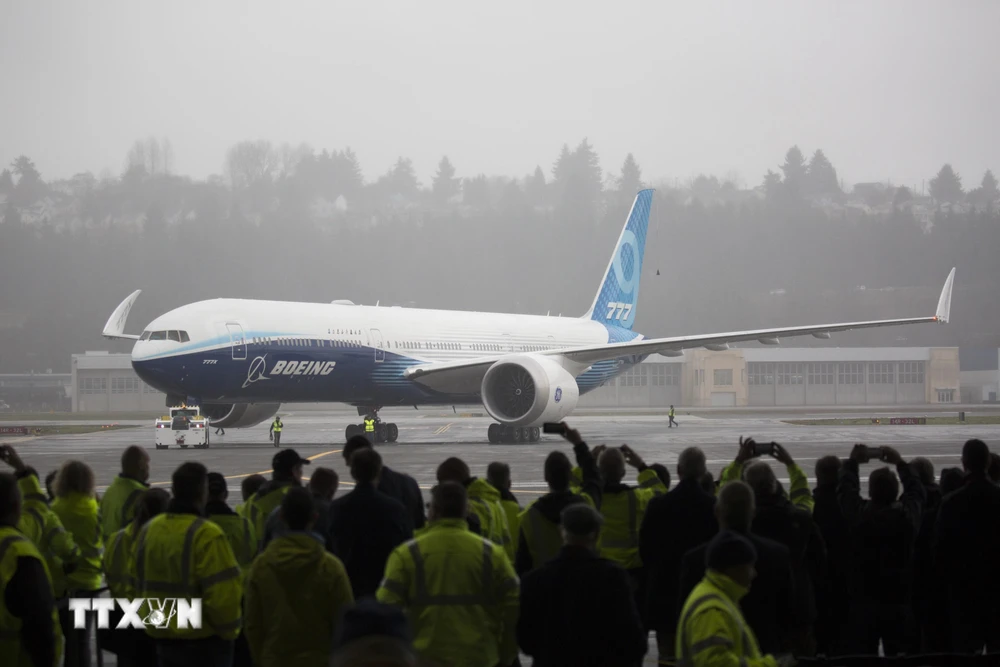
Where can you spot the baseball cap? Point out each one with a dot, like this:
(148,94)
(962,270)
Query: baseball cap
(287,459)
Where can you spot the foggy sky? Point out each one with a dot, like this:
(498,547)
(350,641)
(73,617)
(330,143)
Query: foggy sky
(890,90)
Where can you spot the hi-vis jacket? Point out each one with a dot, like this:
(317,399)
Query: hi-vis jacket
(484,500)
(80,516)
(798,493)
(41,525)
(119,503)
(623,508)
(461,595)
(13,547)
(712,631)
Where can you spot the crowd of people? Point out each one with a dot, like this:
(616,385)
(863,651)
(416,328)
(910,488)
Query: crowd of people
(738,570)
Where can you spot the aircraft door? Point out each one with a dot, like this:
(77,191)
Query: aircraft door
(378,345)
(238,340)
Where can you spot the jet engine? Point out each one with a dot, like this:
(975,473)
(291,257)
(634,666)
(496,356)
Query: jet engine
(528,390)
(240,415)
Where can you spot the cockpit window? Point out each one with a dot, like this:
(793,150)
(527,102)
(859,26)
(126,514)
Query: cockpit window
(174,336)
(158,335)
(145,335)
(184,337)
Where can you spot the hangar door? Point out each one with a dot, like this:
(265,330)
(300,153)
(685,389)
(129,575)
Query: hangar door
(723,399)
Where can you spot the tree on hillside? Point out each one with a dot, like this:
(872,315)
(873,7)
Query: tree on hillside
(705,188)
(903,195)
(251,162)
(795,171)
(535,187)
(630,180)
(6,182)
(25,170)
(155,157)
(476,192)
(772,185)
(946,186)
(445,185)
(821,177)
(402,178)
(987,193)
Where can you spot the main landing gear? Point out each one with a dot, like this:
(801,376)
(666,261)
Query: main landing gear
(500,434)
(384,432)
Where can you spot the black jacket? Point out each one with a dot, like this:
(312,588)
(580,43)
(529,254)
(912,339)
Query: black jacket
(552,504)
(365,526)
(927,594)
(832,598)
(28,596)
(675,523)
(578,610)
(769,606)
(882,538)
(404,488)
(779,520)
(967,545)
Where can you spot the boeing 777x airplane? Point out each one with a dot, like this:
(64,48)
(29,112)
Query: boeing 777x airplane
(241,359)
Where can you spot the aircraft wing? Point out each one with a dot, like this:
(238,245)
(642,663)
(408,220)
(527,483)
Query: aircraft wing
(466,370)
(115,327)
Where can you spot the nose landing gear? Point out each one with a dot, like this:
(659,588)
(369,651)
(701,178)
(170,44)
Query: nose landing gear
(384,431)
(499,434)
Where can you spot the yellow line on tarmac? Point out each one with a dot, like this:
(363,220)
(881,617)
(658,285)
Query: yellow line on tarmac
(264,472)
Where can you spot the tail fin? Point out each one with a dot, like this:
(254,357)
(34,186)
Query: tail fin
(615,303)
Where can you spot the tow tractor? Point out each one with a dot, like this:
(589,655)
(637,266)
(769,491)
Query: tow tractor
(185,427)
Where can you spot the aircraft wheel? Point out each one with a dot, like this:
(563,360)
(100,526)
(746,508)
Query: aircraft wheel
(393,432)
(381,433)
(535,433)
(516,439)
(493,433)
(184,446)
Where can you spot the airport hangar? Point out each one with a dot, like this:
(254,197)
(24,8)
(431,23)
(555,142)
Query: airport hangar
(748,377)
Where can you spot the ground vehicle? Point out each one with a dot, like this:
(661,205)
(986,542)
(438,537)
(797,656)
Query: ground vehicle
(185,426)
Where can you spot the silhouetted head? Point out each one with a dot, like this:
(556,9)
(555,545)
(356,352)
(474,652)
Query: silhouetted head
(453,470)
(760,476)
(135,463)
(498,475)
(976,457)
(827,471)
(449,500)
(707,483)
(923,469)
(50,483)
(558,471)
(10,500)
(735,507)
(366,465)
(733,555)
(75,477)
(580,525)
(951,480)
(251,485)
(151,503)
(298,509)
(218,487)
(324,482)
(994,470)
(190,484)
(691,464)
(883,486)
(353,444)
(612,466)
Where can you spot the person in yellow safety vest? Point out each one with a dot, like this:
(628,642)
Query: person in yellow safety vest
(182,555)
(238,529)
(296,592)
(623,508)
(498,476)
(712,630)
(131,645)
(41,525)
(370,428)
(118,502)
(539,538)
(29,625)
(286,472)
(484,501)
(798,492)
(76,506)
(248,487)
(458,589)
(275,432)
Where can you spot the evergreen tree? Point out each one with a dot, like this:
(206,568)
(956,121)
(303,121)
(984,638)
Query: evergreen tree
(772,185)
(588,167)
(821,177)
(795,171)
(6,182)
(946,186)
(476,192)
(902,196)
(445,184)
(630,180)
(535,188)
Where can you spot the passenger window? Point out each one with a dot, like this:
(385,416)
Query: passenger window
(158,335)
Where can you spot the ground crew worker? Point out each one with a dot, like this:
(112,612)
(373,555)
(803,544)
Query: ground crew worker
(286,472)
(459,589)
(118,502)
(296,592)
(670,415)
(498,475)
(182,555)
(132,646)
(76,506)
(370,428)
(238,529)
(248,487)
(29,626)
(540,540)
(484,501)
(712,630)
(41,525)
(623,508)
(798,492)
(275,433)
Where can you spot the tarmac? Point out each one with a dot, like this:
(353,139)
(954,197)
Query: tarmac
(426,440)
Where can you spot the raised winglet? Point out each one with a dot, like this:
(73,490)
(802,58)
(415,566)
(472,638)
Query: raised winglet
(944,303)
(115,327)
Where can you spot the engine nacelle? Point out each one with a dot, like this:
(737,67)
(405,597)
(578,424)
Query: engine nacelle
(240,415)
(528,390)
